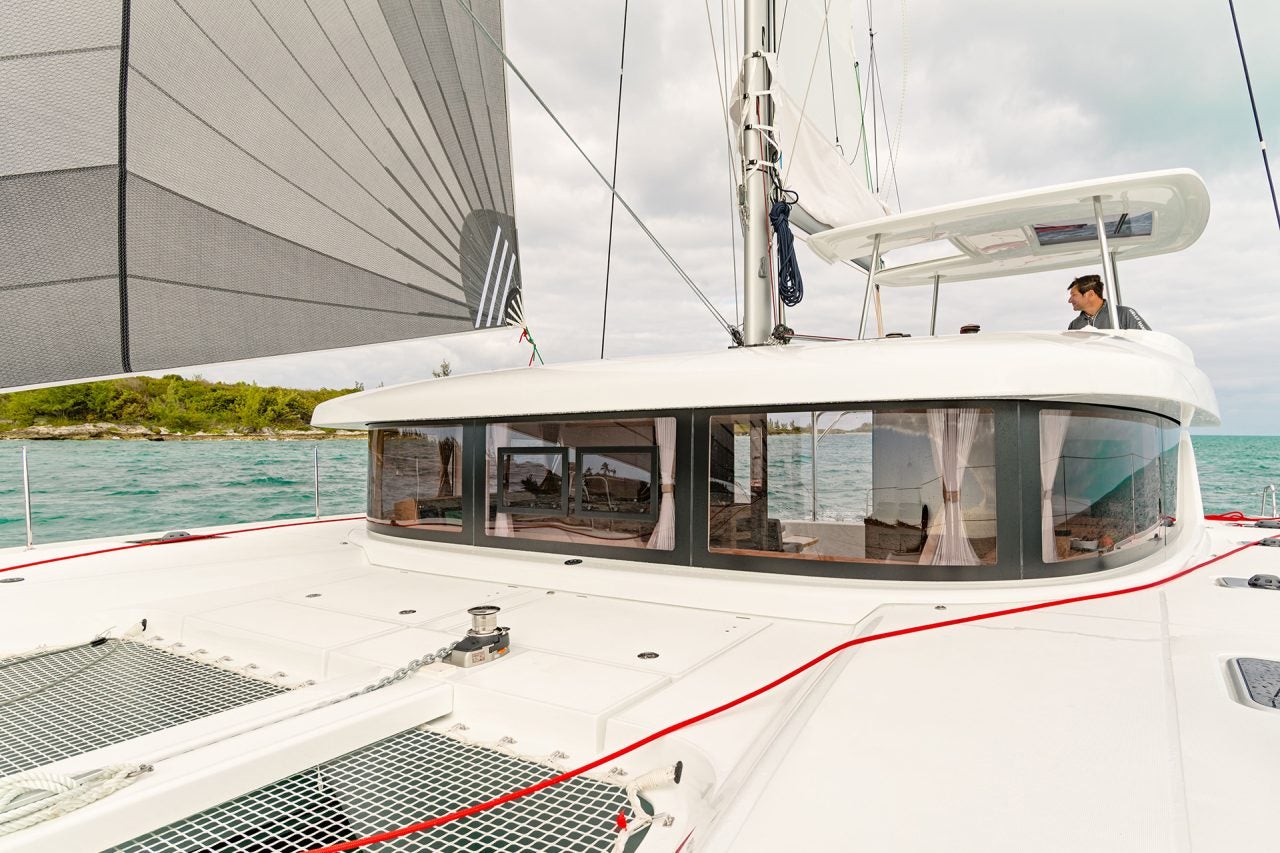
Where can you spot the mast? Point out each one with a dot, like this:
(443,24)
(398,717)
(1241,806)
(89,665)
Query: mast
(758,156)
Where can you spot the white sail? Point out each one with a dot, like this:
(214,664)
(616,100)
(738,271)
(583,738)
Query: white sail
(817,120)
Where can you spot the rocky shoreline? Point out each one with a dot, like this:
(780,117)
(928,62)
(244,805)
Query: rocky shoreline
(138,432)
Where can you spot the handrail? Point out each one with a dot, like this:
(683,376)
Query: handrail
(26,491)
(1263,509)
(26,496)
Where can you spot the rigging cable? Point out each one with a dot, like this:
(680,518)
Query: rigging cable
(617,135)
(808,86)
(720,68)
(1262,143)
(675,265)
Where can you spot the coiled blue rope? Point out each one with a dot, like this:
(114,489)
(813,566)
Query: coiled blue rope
(790,284)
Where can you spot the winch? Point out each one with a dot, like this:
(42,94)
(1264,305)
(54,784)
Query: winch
(484,641)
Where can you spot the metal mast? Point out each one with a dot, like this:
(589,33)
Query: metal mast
(758,157)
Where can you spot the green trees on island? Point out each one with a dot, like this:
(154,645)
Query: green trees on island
(171,402)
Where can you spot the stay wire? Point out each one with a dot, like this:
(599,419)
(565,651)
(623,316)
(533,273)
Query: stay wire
(808,86)
(873,73)
(675,265)
(831,79)
(891,171)
(720,67)
(1262,143)
(617,135)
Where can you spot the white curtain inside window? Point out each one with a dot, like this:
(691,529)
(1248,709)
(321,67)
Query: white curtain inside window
(1053,435)
(664,535)
(498,437)
(951,434)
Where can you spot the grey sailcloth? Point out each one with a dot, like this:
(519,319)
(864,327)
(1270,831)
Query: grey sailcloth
(187,182)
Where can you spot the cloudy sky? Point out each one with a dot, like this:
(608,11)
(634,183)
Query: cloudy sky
(983,97)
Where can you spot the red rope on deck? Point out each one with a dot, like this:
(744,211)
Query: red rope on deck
(1237,515)
(675,727)
(193,538)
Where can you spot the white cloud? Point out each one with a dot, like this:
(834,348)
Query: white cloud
(1000,96)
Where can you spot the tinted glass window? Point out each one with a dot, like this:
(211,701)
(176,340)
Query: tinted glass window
(416,477)
(1105,480)
(910,486)
(608,481)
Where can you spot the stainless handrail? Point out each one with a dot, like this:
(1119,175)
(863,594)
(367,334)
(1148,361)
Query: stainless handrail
(1263,509)
(317,470)
(26,491)
(26,495)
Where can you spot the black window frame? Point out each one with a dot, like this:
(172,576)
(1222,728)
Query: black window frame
(505,453)
(1036,568)
(1018,527)
(655,490)
(459,535)
(1007,495)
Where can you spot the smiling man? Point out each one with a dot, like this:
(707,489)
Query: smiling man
(1085,295)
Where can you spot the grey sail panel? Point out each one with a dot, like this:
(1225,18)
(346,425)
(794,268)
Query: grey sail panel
(293,177)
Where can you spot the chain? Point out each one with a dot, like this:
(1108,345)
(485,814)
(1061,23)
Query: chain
(403,672)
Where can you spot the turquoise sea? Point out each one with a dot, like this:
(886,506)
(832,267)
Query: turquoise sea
(83,489)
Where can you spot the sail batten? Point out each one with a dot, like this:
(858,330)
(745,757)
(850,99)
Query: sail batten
(245,180)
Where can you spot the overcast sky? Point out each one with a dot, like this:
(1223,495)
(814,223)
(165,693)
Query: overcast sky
(992,96)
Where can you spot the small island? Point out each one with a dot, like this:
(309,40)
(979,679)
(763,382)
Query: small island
(163,409)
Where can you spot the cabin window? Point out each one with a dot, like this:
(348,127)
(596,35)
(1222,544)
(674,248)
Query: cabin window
(1108,482)
(416,477)
(598,482)
(914,486)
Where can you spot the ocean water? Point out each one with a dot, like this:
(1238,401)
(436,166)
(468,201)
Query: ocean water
(83,489)
(1235,468)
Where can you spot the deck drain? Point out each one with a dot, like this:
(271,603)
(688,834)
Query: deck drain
(647,655)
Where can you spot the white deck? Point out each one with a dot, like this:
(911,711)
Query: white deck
(1107,725)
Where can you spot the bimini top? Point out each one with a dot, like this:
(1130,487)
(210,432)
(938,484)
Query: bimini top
(1142,370)
(1034,231)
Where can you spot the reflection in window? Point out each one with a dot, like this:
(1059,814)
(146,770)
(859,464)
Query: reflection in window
(910,486)
(617,481)
(533,481)
(416,477)
(598,482)
(1105,482)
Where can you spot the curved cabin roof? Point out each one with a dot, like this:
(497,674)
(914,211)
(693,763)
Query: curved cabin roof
(1031,231)
(1142,370)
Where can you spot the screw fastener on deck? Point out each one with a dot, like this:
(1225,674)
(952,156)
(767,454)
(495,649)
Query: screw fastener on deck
(485,641)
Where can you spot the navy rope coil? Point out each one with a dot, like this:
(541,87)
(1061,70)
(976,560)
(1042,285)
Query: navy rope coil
(790,284)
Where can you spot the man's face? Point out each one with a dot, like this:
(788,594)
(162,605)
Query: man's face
(1086,302)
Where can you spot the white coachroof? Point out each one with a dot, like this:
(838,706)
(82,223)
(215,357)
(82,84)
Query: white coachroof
(1144,370)
(1033,231)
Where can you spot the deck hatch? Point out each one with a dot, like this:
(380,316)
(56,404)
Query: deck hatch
(1261,679)
(404,779)
(68,702)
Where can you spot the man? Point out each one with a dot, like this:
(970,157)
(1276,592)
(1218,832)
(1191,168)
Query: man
(1085,295)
